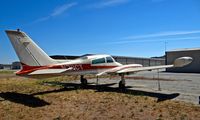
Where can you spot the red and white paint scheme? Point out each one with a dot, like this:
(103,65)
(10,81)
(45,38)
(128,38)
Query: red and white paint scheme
(36,63)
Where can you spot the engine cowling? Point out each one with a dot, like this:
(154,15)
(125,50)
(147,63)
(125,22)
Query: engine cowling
(182,61)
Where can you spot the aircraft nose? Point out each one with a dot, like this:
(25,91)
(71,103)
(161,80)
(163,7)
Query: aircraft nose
(188,59)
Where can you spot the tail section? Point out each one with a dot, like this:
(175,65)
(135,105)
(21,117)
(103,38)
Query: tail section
(27,50)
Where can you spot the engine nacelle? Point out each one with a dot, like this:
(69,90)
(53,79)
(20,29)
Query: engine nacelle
(182,61)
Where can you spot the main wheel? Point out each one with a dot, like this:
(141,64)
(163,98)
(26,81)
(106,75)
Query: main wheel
(84,81)
(121,85)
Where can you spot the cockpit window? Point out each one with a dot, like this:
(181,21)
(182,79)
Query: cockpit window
(109,60)
(98,61)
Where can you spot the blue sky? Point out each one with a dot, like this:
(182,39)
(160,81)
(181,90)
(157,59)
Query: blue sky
(137,28)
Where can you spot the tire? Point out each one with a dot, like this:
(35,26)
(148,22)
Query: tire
(84,81)
(121,85)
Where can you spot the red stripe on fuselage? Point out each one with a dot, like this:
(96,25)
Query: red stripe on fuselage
(75,67)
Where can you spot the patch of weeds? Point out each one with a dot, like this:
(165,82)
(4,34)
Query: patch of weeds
(21,116)
(41,82)
(6,72)
(140,94)
(131,93)
(158,119)
(126,103)
(154,105)
(146,98)
(141,110)
(57,118)
(132,115)
(77,91)
(196,109)
(129,96)
(171,113)
(183,117)
(122,100)
(145,106)
(7,109)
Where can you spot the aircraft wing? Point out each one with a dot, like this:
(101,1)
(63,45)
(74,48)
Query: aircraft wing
(124,69)
(49,71)
(132,70)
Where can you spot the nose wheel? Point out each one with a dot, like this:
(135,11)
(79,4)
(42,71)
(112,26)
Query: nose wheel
(83,80)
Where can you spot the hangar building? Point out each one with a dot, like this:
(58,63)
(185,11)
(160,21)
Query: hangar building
(15,65)
(6,66)
(139,60)
(194,67)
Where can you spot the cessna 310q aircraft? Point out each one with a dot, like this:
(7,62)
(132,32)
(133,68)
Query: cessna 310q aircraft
(36,63)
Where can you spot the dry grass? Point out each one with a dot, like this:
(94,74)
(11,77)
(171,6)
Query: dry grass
(29,99)
(6,71)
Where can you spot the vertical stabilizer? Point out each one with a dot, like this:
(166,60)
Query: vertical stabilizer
(27,51)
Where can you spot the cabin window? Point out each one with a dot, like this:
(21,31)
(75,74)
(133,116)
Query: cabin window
(98,61)
(109,60)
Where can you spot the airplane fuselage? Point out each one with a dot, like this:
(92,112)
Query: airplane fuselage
(93,64)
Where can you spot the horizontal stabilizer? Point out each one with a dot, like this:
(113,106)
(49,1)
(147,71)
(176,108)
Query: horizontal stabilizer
(49,71)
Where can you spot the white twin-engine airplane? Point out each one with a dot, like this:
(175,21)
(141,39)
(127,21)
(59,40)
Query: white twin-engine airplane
(36,63)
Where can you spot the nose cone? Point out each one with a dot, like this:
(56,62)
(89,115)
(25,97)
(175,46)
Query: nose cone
(182,61)
(190,59)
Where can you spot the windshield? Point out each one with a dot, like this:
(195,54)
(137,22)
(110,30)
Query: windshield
(109,60)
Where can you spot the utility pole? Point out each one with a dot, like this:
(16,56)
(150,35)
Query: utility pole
(165,45)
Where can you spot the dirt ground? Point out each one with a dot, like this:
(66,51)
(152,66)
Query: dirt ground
(62,99)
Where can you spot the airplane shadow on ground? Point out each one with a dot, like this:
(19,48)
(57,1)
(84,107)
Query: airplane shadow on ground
(32,101)
(25,99)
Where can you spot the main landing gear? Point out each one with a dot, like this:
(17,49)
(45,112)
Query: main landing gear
(83,80)
(122,82)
